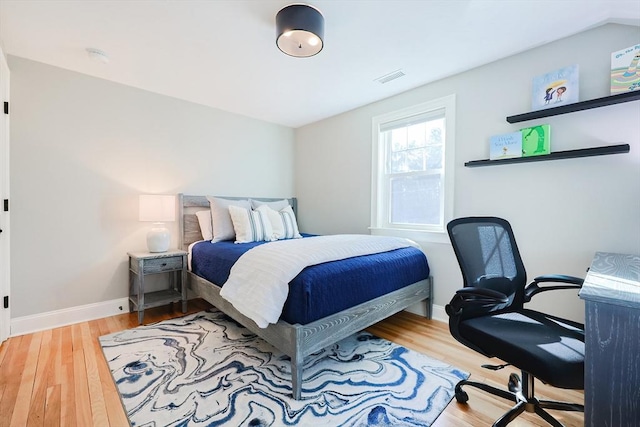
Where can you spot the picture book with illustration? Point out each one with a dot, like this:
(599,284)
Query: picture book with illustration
(625,74)
(559,87)
(505,146)
(536,140)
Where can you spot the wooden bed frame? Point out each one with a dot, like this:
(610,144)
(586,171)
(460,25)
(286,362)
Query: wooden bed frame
(297,341)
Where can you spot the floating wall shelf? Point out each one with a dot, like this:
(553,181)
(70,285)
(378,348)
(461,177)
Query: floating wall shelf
(569,154)
(578,106)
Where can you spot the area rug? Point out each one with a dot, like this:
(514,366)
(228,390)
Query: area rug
(206,370)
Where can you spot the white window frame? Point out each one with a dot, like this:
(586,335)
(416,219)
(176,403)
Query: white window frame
(380,197)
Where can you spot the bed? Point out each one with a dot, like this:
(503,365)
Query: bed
(301,336)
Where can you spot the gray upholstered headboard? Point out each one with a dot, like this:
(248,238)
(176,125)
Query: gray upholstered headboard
(188,226)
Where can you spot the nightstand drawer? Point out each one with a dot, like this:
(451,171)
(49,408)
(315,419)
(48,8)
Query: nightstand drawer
(160,265)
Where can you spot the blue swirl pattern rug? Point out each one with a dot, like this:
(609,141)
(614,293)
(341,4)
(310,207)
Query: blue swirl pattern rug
(206,370)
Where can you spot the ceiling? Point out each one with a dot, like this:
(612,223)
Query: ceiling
(222,53)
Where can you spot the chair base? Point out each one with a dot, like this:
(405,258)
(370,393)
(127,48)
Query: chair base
(520,392)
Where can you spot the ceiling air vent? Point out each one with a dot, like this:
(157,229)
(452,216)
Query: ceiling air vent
(391,76)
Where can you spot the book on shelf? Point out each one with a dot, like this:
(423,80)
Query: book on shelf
(536,140)
(556,88)
(505,146)
(625,71)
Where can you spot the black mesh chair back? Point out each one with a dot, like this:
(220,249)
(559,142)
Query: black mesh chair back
(489,258)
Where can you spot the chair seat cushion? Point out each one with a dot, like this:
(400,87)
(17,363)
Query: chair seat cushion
(549,348)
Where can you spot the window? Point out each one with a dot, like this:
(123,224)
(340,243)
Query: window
(412,179)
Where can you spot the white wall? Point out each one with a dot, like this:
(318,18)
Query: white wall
(83,149)
(562,211)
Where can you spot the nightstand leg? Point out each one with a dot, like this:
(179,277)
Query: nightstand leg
(183,289)
(140,294)
(132,284)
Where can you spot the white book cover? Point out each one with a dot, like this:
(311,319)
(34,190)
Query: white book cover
(505,146)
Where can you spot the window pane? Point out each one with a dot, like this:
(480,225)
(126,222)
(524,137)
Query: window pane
(416,200)
(416,160)
(434,157)
(416,147)
(417,135)
(409,161)
(398,139)
(435,132)
(398,162)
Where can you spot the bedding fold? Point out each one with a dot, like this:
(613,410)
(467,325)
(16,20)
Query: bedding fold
(258,282)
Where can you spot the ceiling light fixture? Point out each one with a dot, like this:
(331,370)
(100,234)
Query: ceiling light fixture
(300,30)
(98,55)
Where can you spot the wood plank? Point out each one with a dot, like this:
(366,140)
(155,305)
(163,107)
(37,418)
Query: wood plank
(4,347)
(53,376)
(23,399)
(10,375)
(63,375)
(68,395)
(39,393)
(53,406)
(80,379)
(98,408)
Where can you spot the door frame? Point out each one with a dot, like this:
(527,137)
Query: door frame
(5,246)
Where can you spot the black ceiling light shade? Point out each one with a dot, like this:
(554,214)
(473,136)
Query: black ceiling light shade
(300,30)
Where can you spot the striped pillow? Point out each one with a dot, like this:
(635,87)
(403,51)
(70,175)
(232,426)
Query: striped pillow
(250,226)
(283,222)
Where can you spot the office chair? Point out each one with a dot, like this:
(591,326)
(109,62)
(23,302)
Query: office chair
(488,316)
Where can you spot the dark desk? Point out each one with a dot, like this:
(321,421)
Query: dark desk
(611,292)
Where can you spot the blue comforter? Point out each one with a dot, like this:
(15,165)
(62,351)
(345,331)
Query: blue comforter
(323,289)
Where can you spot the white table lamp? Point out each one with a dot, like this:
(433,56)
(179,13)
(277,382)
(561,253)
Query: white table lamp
(158,209)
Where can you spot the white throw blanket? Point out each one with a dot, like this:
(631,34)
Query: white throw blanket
(258,283)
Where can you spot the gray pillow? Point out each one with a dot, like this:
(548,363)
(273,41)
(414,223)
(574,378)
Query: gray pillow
(278,205)
(222,225)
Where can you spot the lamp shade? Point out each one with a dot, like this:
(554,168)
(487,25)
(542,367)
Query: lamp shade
(157,208)
(300,30)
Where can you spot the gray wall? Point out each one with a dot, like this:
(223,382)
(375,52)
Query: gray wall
(83,149)
(562,211)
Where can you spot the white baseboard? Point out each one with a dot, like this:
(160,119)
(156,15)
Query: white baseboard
(68,316)
(421,310)
(439,314)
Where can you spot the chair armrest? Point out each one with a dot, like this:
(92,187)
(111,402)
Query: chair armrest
(533,288)
(474,296)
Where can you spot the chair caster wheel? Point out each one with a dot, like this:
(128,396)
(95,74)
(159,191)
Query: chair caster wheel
(462,396)
(514,383)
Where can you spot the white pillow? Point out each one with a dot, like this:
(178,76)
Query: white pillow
(222,225)
(206,227)
(250,226)
(277,205)
(283,223)
(275,219)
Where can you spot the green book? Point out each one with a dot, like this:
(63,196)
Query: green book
(536,140)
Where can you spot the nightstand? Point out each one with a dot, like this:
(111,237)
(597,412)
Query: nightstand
(142,264)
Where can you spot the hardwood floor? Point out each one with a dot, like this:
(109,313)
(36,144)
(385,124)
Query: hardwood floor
(59,377)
